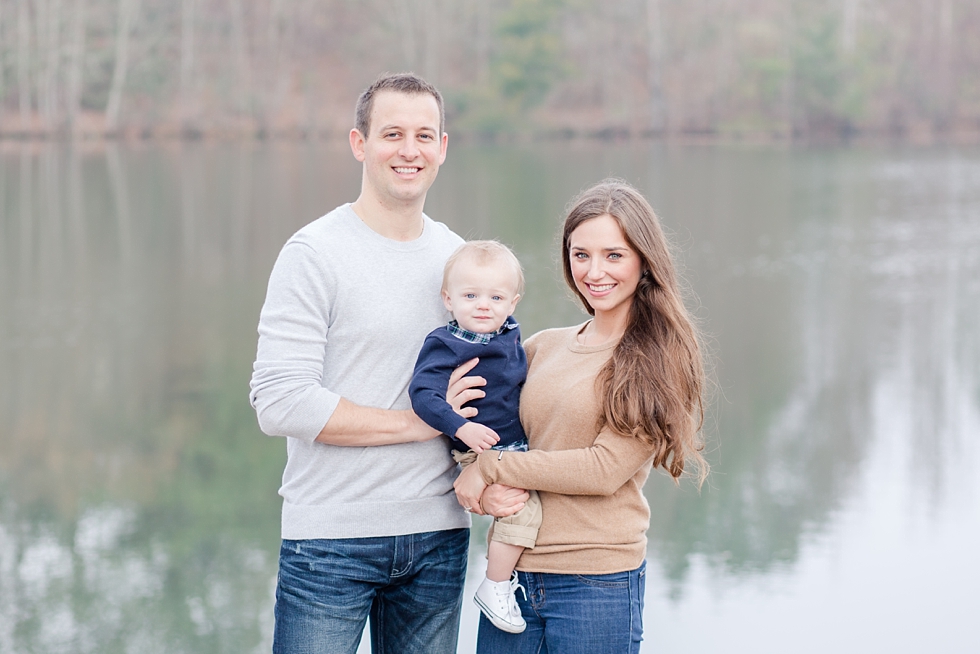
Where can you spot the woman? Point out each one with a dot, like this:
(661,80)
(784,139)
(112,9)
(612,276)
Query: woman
(604,402)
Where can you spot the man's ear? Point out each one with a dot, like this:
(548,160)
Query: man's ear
(357,144)
(443,145)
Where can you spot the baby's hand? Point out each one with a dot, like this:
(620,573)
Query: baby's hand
(477,437)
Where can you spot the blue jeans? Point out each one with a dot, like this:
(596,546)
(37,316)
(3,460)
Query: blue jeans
(411,586)
(573,614)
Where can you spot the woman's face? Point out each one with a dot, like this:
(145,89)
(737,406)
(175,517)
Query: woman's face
(605,268)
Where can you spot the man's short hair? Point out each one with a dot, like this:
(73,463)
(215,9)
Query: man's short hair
(484,253)
(408,83)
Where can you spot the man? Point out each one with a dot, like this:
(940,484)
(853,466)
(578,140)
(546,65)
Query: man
(370,524)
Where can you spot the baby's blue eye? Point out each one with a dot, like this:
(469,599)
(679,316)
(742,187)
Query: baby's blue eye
(497,298)
(470,296)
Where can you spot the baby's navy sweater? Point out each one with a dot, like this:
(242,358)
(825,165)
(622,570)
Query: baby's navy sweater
(502,363)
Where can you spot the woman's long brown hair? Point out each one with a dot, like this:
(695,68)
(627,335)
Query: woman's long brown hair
(651,387)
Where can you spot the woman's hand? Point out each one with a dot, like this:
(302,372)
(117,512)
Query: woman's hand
(501,501)
(469,488)
(497,500)
(464,389)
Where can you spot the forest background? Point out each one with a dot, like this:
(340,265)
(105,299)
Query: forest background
(711,69)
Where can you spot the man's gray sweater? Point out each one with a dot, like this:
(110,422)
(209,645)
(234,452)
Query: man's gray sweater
(345,315)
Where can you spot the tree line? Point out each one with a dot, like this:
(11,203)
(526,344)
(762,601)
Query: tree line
(776,68)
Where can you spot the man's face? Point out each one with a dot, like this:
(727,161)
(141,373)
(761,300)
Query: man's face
(403,150)
(480,297)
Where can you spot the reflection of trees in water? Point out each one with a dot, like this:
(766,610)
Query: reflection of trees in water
(139,497)
(875,348)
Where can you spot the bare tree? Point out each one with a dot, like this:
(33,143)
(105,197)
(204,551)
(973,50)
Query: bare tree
(76,66)
(944,60)
(655,63)
(127,16)
(406,29)
(483,29)
(24,63)
(49,45)
(3,58)
(849,25)
(276,80)
(239,41)
(432,19)
(187,19)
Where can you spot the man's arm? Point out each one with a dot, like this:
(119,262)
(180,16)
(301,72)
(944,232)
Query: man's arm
(286,389)
(355,425)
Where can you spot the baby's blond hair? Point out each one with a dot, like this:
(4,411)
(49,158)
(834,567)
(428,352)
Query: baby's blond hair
(484,253)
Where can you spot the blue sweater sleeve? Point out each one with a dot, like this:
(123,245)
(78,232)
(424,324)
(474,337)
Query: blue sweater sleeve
(430,380)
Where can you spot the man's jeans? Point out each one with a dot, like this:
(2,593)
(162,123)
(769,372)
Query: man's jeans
(412,587)
(573,614)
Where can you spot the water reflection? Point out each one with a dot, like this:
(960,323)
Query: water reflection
(840,290)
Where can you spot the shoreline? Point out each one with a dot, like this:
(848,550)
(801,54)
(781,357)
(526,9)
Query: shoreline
(918,137)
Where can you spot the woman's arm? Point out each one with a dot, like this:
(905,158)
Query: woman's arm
(600,469)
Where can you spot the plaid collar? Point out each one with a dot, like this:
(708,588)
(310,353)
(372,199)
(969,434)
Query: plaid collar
(473,337)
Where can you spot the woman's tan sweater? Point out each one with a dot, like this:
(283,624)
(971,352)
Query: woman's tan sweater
(595,517)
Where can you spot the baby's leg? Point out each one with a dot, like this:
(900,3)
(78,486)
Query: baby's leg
(501,560)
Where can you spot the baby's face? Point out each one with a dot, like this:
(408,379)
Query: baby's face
(481,297)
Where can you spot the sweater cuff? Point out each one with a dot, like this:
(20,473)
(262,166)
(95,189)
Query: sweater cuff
(488,461)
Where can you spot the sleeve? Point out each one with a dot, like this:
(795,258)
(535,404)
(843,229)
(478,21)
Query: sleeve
(286,388)
(530,347)
(600,469)
(430,381)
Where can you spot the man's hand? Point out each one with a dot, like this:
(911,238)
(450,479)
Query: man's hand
(477,437)
(465,389)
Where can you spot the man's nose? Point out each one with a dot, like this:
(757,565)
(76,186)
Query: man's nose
(409,149)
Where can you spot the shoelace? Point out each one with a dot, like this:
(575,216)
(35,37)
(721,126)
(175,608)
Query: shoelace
(515,584)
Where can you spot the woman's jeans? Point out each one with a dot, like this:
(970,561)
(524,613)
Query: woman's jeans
(573,614)
(412,587)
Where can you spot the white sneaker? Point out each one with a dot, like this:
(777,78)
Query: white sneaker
(496,600)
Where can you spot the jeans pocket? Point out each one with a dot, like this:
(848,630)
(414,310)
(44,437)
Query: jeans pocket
(613,580)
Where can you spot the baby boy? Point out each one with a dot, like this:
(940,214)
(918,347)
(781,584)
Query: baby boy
(482,284)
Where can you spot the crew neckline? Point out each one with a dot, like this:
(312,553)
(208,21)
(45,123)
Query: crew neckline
(404,246)
(575,346)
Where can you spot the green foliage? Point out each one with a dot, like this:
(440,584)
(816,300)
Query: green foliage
(831,86)
(524,66)
(818,69)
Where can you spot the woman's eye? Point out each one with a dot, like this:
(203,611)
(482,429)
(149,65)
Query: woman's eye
(615,255)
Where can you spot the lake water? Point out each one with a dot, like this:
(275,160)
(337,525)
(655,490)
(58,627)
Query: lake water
(839,289)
